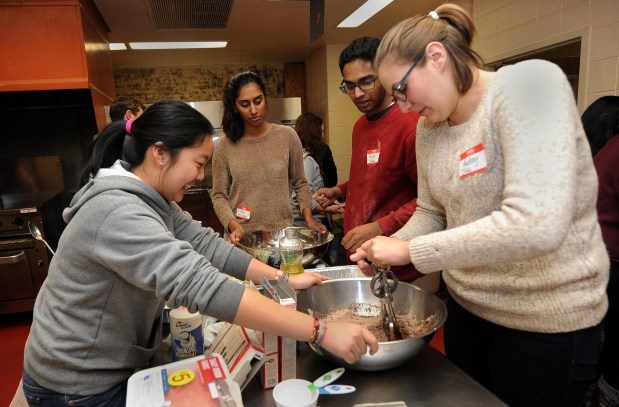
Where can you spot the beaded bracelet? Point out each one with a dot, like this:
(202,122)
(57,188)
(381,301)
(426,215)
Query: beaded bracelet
(322,331)
(316,332)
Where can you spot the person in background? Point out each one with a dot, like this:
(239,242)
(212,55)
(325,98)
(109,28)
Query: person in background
(255,164)
(125,108)
(128,249)
(601,124)
(382,186)
(315,153)
(506,209)
(311,131)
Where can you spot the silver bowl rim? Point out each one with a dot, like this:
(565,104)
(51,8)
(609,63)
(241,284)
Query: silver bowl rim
(330,237)
(437,324)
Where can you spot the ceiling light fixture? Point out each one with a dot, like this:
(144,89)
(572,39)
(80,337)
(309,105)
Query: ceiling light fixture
(117,46)
(178,45)
(363,13)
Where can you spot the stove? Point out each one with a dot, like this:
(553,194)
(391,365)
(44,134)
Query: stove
(24,261)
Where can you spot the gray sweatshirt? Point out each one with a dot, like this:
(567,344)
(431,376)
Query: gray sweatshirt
(124,253)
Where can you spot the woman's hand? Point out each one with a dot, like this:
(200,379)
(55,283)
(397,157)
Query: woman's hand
(236,232)
(383,251)
(349,341)
(315,225)
(364,266)
(306,280)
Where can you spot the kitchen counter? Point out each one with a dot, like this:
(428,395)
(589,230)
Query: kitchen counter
(428,379)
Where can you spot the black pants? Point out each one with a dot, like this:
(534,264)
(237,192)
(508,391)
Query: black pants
(523,368)
(609,362)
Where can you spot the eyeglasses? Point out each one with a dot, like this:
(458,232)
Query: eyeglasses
(364,84)
(398,91)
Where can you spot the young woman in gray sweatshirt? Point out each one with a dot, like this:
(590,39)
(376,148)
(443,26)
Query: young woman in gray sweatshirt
(128,249)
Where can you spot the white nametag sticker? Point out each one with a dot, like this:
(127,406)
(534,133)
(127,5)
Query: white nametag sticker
(473,161)
(242,212)
(373,156)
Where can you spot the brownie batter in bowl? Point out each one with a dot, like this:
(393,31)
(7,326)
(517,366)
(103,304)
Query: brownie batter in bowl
(368,316)
(419,313)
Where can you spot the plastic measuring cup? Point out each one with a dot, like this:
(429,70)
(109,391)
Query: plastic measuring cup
(291,251)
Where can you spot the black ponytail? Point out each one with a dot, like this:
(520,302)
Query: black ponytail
(104,150)
(176,125)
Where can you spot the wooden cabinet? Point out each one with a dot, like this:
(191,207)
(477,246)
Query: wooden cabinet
(49,45)
(42,48)
(200,206)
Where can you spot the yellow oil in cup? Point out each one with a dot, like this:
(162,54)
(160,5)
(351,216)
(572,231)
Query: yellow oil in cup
(291,252)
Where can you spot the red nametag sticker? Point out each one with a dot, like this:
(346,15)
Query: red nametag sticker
(373,156)
(473,161)
(242,212)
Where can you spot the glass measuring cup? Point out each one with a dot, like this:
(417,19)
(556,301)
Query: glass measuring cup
(291,251)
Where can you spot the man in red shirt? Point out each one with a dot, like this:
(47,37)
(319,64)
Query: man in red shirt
(381,190)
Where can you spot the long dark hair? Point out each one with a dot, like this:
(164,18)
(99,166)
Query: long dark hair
(309,128)
(232,122)
(601,122)
(175,124)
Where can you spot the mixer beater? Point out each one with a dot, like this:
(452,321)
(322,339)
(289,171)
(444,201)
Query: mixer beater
(383,285)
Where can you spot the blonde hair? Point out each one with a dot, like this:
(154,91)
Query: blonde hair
(406,42)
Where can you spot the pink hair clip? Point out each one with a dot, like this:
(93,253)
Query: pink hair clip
(128,125)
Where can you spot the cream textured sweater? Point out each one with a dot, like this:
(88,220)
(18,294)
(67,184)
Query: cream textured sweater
(519,243)
(257,173)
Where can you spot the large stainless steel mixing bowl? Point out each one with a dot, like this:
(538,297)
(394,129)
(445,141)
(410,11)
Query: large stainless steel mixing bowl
(407,300)
(262,244)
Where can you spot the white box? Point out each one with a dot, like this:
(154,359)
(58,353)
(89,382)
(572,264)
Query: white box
(281,352)
(242,351)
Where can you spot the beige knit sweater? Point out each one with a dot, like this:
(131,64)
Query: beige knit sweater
(256,173)
(519,244)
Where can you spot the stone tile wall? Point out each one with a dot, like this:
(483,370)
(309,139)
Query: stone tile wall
(191,83)
(507,28)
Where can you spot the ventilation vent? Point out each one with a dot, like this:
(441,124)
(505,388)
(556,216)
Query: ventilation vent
(190,14)
(45,99)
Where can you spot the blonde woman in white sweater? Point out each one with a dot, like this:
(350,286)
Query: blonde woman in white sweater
(506,209)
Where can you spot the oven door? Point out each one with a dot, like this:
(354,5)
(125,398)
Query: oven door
(15,276)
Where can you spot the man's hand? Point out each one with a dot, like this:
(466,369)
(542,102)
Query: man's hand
(334,209)
(326,196)
(361,234)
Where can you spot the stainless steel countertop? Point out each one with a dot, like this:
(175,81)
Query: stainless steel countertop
(428,379)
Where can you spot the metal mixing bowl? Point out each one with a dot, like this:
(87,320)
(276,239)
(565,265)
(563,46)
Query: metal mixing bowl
(407,300)
(262,244)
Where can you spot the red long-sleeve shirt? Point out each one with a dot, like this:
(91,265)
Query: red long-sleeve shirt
(607,167)
(382,184)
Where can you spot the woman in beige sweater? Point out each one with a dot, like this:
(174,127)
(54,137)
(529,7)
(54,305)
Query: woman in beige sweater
(506,209)
(255,164)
